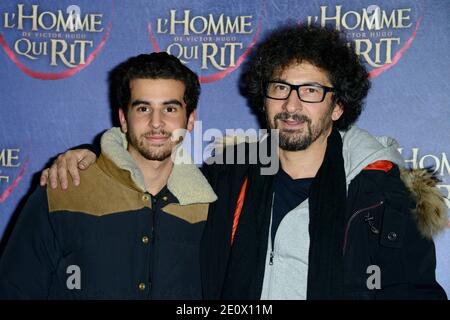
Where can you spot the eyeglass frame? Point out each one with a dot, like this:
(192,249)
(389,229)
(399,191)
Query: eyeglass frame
(295,87)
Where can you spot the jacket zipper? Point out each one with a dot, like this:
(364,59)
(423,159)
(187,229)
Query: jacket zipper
(154,230)
(351,219)
(272,243)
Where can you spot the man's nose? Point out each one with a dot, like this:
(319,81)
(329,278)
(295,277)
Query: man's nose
(293,103)
(156,120)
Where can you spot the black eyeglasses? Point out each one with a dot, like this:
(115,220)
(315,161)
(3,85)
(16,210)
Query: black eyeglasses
(309,92)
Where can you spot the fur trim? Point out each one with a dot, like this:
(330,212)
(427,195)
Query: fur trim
(430,211)
(221,143)
(187,182)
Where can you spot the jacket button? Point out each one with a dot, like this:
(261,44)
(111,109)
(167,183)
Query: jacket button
(392,236)
(145,197)
(145,240)
(142,286)
(164,198)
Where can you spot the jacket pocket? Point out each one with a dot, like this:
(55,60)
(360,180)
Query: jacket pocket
(369,219)
(393,229)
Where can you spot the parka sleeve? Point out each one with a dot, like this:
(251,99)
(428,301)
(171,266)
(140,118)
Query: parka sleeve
(414,253)
(30,255)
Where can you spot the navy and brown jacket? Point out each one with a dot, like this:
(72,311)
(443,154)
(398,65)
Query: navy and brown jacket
(122,242)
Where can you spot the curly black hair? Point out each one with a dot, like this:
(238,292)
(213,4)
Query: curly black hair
(157,65)
(324,48)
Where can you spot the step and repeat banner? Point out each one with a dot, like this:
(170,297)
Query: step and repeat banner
(55,56)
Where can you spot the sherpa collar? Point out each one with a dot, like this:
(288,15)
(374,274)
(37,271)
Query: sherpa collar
(186,182)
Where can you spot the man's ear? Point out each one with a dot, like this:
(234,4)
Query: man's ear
(191,121)
(123,121)
(338,110)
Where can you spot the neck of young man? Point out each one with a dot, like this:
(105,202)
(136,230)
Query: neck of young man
(156,173)
(305,163)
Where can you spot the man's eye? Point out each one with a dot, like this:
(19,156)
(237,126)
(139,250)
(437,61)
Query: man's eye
(143,109)
(280,87)
(171,109)
(310,90)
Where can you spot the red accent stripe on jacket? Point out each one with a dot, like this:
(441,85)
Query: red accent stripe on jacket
(382,165)
(237,212)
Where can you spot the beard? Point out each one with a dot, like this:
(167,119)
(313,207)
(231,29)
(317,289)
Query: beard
(155,153)
(300,139)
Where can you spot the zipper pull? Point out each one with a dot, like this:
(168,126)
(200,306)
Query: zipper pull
(271,258)
(369,219)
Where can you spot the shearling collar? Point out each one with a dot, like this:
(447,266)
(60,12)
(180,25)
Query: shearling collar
(186,182)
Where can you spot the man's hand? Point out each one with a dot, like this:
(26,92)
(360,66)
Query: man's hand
(71,161)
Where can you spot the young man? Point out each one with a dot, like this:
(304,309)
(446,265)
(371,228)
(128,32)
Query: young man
(339,220)
(132,230)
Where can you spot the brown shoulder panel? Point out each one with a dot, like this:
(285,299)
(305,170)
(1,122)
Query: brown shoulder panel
(191,213)
(98,194)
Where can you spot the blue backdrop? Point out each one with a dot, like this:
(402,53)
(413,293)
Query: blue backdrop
(56,54)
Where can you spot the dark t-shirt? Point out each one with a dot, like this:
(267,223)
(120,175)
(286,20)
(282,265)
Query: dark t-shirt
(289,193)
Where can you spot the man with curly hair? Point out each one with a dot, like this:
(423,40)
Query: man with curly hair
(339,220)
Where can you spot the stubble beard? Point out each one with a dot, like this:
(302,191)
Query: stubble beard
(300,139)
(154,153)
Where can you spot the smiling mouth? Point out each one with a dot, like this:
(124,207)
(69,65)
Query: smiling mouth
(157,139)
(290,123)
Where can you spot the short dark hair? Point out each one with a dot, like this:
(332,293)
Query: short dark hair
(324,48)
(157,65)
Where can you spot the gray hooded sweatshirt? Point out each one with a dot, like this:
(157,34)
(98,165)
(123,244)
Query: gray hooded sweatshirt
(287,277)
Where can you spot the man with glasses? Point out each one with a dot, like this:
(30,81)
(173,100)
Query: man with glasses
(336,221)
(339,220)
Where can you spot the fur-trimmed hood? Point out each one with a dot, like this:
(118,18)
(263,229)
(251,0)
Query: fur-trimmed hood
(360,149)
(431,211)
